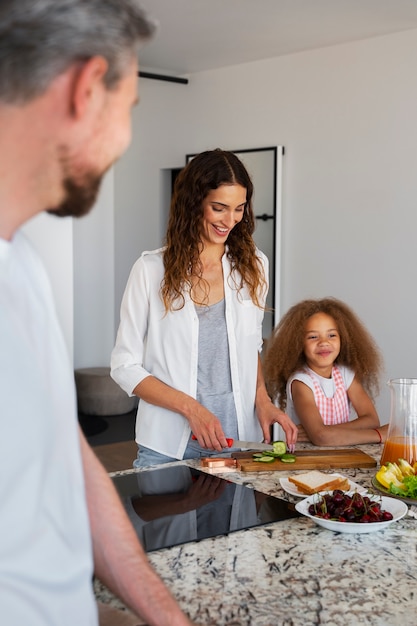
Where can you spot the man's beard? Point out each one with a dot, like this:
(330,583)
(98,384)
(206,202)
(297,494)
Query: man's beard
(79,196)
(80,186)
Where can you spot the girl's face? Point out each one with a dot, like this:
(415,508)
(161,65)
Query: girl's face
(222,209)
(321,343)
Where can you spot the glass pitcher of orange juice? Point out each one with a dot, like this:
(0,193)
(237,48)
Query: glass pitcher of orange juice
(401,440)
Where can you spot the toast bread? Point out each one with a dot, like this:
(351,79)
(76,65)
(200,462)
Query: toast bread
(315,481)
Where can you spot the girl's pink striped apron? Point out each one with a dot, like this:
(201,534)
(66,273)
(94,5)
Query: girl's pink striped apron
(332,410)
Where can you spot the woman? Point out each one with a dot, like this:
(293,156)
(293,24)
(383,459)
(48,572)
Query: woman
(191,322)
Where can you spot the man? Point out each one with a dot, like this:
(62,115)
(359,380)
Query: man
(68,80)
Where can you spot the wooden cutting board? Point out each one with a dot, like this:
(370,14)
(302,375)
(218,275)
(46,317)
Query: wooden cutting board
(307,460)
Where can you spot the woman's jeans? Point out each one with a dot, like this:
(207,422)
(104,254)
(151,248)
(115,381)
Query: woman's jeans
(147,457)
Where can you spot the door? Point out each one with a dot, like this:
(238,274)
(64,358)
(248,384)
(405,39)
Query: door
(264,166)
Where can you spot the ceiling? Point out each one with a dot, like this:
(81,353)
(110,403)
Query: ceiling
(197,35)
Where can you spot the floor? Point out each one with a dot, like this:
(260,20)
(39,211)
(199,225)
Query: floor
(113,439)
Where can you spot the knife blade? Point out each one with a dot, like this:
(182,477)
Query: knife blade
(250,445)
(256,445)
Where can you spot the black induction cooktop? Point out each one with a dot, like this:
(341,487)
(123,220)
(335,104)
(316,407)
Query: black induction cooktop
(175,505)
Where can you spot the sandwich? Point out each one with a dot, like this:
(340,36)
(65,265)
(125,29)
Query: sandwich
(315,481)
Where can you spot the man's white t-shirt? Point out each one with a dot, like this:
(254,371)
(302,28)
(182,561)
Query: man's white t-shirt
(45,546)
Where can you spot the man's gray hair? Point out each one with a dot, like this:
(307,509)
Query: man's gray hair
(40,39)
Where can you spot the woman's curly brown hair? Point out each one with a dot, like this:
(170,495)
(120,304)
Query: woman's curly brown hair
(285,349)
(205,172)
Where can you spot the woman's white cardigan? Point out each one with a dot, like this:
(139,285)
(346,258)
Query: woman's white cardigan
(165,345)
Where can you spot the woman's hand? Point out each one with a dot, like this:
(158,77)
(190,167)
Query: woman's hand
(203,423)
(289,428)
(269,414)
(205,426)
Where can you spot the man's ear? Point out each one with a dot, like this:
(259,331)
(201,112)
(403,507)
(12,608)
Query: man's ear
(88,86)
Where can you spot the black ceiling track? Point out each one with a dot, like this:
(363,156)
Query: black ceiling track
(170,79)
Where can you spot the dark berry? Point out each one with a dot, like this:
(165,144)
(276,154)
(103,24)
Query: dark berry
(340,507)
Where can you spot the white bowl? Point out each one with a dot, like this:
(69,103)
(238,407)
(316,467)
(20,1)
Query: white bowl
(397,508)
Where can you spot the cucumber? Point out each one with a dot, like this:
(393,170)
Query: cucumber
(266,459)
(270,453)
(288,458)
(279,447)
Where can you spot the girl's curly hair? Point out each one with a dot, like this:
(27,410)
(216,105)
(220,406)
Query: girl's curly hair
(285,348)
(205,172)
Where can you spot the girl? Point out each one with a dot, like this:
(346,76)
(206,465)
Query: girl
(320,361)
(191,322)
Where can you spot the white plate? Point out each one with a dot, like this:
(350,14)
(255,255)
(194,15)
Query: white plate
(386,492)
(396,507)
(292,489)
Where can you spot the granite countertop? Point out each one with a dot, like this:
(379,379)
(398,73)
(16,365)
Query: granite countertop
(294,572)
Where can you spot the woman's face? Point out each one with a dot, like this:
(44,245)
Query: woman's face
(321,343)
(222,209)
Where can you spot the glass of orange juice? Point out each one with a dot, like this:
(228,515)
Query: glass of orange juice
(401,440)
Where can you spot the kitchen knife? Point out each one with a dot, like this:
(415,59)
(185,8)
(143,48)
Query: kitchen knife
(250,445)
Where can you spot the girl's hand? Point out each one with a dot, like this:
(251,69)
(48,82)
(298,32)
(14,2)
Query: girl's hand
(302,435)
(356,431)
(384,432)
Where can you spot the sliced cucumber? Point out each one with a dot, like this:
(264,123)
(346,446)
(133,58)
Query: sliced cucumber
(279,447)
(288,458)
(265,453)
(266,459)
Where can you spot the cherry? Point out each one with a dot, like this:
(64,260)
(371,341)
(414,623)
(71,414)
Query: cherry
(341,507)
(358,503)
(349,514)
(338,497)
(386,516)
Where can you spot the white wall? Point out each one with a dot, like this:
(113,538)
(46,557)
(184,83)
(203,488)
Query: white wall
(94,281)
(79,257)
(347,116)
(142,175)
(53,239)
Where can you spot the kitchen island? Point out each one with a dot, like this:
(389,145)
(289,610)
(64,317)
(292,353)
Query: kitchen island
(293,572)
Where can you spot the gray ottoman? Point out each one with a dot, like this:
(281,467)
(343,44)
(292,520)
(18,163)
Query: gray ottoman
(98,394)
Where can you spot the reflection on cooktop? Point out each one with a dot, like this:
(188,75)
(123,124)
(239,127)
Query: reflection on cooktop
(175,505)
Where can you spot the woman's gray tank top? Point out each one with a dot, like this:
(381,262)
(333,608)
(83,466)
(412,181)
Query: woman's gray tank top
(214,381)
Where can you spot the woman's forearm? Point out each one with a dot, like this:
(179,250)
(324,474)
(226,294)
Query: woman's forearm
(160,394)
(203,423)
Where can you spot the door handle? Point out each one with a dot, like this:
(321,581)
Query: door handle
(264,217)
